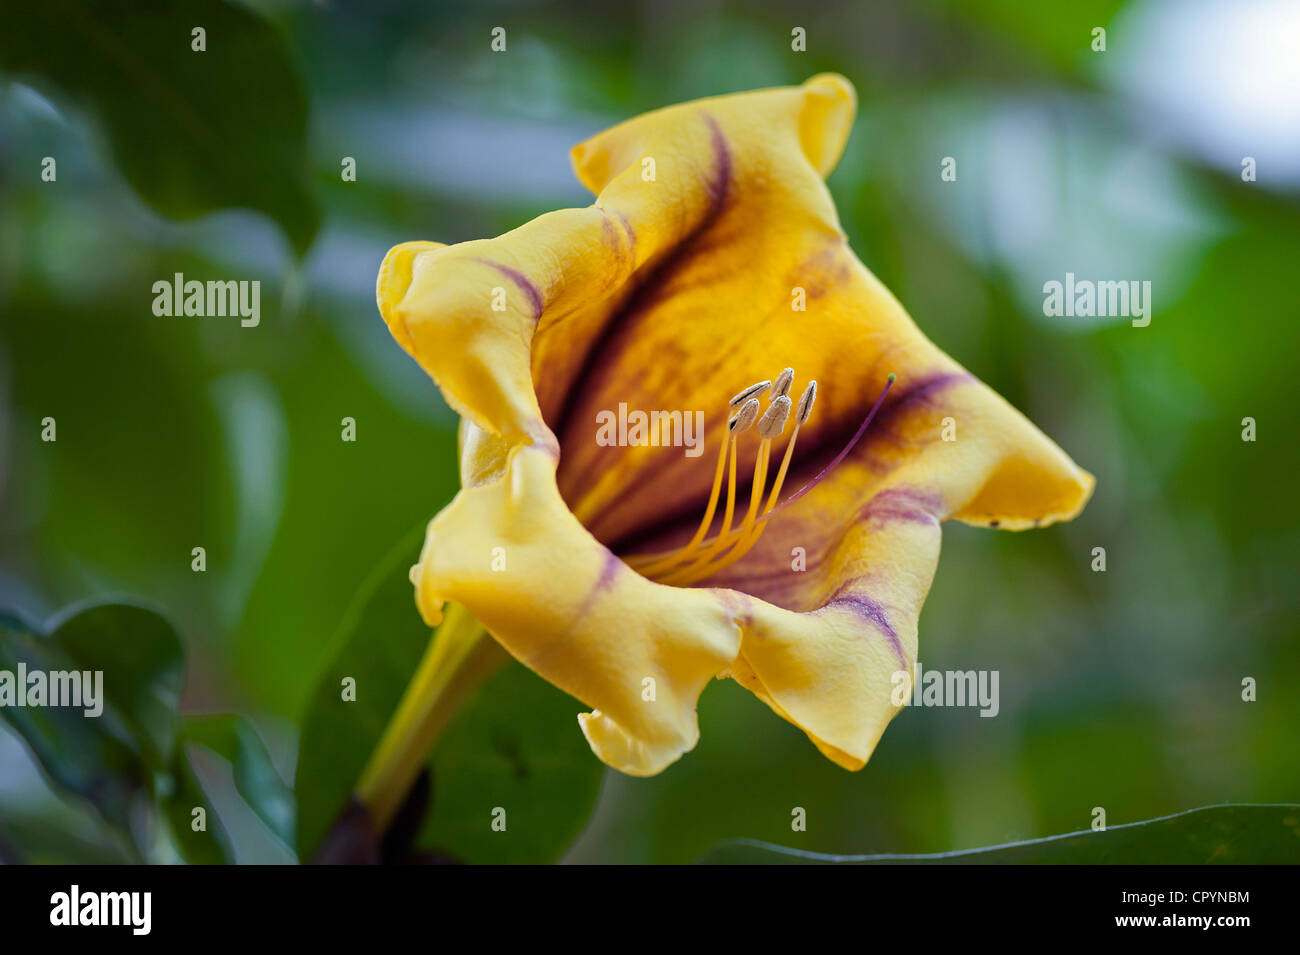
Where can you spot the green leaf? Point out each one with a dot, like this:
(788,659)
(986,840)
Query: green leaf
(192,131)
(515,744)
(110,759)
(1235,833)
(143,663)
(58,836)
(237,741)
(208,846)
(379,643)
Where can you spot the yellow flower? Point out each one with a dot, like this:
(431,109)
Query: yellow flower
(612,571)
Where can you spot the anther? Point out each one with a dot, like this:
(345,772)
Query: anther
(806,403)
(749,392)
(744,419)
(782,384)
(773,421)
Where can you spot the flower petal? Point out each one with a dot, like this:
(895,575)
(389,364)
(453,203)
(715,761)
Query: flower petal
(512,553)
(997,470)
(831,670)
(618,302)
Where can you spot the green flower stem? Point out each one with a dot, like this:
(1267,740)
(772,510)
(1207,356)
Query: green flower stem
(460,657)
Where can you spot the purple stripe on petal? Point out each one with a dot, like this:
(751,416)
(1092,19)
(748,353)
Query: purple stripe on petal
(719,183)
(873,613)
(766,574)
(524,282)
(906,397)
(866,422)
(608,573)
(631,234)
(594,369)
(900,504)
(920,392)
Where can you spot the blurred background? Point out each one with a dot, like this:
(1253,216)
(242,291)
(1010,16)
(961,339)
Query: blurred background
(1119,689)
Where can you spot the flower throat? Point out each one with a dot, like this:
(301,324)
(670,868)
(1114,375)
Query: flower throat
(702,557)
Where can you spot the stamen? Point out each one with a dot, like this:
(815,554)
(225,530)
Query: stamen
(662,563)
(729,545)
(782,384)
(769,426)
(773,421)
(806,403)
(741,422)
(862,429)
(747,536)
(744,419)
(691,572)
(750,392)
(731,491)
(804,411)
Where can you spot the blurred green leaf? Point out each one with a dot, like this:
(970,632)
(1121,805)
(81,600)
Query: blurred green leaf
(334,547)
(136,478)
(56,838)
(515,744)
(110,759)
(379,643)
(237,741)
(192,131)
(1233,834)
(143,663)
(1062,36)
(207,846)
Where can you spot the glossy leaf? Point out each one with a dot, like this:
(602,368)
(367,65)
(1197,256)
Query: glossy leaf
(379,643)
(110,759)
(192,130)
(57,837)
(207,846)
(143,663)
(256,778)
(514,754)
(515,744)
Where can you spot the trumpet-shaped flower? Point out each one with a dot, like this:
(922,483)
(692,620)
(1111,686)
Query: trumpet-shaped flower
(794,554)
